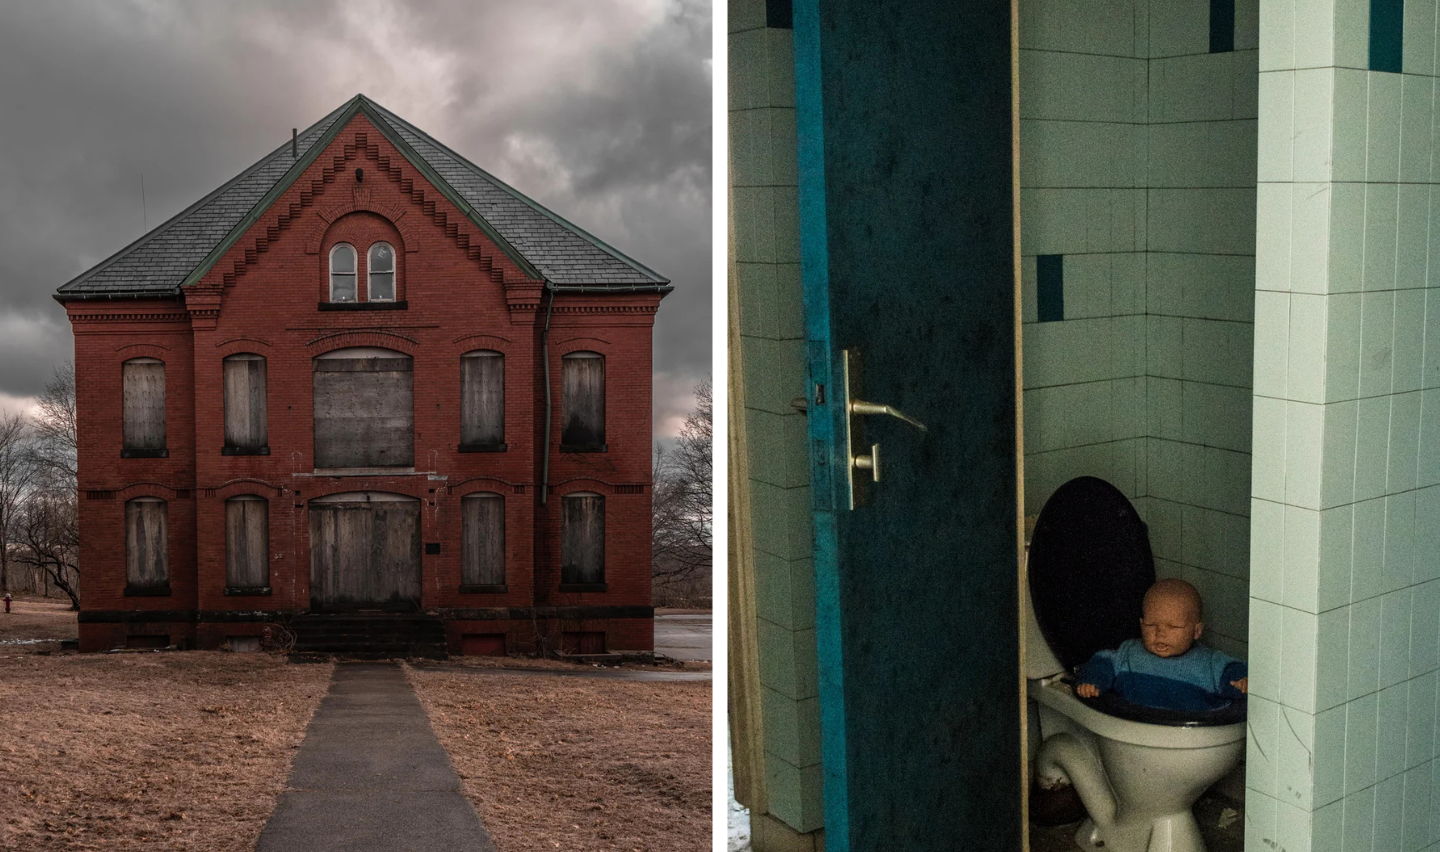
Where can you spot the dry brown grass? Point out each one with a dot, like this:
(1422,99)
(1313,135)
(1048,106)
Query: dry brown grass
(147,751)
(33,617)
(577,764)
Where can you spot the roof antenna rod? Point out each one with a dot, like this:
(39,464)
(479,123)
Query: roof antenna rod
(144,219)
(294,143)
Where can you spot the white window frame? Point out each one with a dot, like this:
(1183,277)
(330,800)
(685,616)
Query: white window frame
(354,273)
(370,274)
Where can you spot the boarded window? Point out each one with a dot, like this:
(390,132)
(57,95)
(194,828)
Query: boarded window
(247,542)
(583,400)
(582,539)
(482,399)
(364,412)
(245,402)
(342,274)
(147,543)
(381,265)
(144,413)
(482,540)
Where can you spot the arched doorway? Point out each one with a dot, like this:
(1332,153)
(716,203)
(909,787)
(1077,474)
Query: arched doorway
(364,552)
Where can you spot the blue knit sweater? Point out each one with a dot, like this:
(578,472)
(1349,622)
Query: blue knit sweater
(1199,679)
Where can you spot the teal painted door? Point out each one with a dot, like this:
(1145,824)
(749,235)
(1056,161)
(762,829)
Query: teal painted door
(903,113)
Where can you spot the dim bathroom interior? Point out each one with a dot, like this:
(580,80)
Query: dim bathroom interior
(1228,255)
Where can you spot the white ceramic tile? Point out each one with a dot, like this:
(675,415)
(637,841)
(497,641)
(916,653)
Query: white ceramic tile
(1399,567)
(1427,533)
(1409,348)
(1329,825)
(1105,27)
(1413,234)
(1424,623)
(1205,220)
(1404,441)
(1304,440)
(1390,741)
(1372,447)
(1359,820)
(1415,831)
(1342,347)
(1382,134)
(1395,637)
(1295,774)
(1428,469)
(1267,554)
(1377,343)
(1077,87)
(1337,527)
(1272,343)
(1029,307)
(1305,375)
(1276,128)
(1332,659)
(1302,559)
(1362,717)
(1430,376)
(1310,234)
(1352,33)
(1277,34)
(1348,124)
(1268,456)
(1381,235)
(1389,812)
(1337,469)
(1262,753)
(1346,241)
(1273,229)
(1417,38)
(1367,577)
(1420,721)
(1313,97)
(1417,100)
(1247,25)
(1297,659)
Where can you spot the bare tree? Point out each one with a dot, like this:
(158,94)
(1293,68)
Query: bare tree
(15,475)
(47,536)
(681,547)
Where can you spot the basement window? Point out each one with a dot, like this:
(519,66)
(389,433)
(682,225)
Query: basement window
(482,543)
(482,402)
(147,547)
(582,403)
(247,545)
(143,414)
(380,265)
(245,423)
(582,542)
(342,273)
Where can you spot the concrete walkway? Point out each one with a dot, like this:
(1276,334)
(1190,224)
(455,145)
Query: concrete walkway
(372,776)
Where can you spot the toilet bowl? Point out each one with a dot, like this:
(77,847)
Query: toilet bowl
(1089,564)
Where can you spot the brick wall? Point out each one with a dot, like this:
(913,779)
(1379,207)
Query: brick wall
(460,292)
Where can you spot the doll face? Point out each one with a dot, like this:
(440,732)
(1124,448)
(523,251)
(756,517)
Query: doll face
(1169,626)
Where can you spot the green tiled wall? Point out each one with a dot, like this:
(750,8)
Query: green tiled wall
(1138,165)
(1345,592)
(772,331)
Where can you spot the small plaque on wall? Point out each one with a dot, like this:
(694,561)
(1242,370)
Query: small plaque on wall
(432,547)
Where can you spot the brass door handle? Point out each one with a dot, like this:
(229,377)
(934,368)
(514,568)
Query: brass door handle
(860,406)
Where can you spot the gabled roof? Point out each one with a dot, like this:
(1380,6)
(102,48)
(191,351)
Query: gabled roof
(180,251)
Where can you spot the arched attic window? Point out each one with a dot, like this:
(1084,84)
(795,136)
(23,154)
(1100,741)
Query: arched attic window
(342,273)
(380,267)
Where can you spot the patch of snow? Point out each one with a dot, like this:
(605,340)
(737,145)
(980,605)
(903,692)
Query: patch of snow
(738,819)
(25,641)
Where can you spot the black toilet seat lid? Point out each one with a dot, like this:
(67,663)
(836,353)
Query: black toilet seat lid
(1089,567)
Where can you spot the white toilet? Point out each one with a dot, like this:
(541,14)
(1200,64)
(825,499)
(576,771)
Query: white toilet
(1089,564)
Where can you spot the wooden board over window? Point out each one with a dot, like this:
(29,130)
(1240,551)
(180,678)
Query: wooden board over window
(247,542)
(364,409)
(143,381)
(482,399)
(245,421)
(582,403)
(365,551)
(147,543)
(482,560)
(582,540)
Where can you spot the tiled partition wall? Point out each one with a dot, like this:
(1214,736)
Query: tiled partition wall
(1137,206)
(1345,544)
(772,328)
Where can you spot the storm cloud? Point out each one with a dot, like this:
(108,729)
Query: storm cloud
(598,109)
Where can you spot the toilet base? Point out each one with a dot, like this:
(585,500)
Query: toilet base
(1174,833)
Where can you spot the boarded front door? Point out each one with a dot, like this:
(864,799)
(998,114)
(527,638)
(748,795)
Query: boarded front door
(365,552)
(903,114)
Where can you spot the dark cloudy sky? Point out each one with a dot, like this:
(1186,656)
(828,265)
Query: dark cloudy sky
(598,109)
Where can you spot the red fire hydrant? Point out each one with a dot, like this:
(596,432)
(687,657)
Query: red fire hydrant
(7,602)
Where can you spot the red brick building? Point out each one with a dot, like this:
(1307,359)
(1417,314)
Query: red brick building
(365,376)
